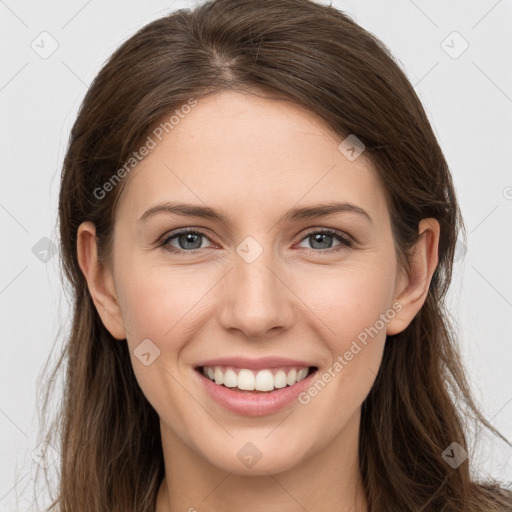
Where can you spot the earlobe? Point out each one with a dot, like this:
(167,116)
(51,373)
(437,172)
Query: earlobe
(412,289)
(99,281)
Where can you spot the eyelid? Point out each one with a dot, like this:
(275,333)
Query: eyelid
(327,230)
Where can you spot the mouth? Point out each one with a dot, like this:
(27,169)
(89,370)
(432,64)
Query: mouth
(263,381)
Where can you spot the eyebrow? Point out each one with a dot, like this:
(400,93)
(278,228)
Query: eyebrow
(205,212)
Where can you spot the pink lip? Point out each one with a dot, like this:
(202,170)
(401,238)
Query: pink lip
(255,364)
(254,404)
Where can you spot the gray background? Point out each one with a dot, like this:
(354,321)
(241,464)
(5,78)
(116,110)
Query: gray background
(468,98)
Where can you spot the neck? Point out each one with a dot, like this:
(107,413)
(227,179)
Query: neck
(330,479)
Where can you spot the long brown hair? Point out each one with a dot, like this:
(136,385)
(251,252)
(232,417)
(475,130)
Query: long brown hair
(108,434)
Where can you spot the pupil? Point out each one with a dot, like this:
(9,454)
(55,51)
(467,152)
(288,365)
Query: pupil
(188,240)
(319,237)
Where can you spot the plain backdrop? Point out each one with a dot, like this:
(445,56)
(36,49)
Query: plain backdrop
(458,56)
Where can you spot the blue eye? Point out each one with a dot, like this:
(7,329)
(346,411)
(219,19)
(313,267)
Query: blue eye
(190,240)
(322,238)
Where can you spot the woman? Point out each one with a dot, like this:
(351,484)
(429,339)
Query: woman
(259,227)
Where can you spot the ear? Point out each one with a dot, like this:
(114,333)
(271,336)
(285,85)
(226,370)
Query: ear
(412,288)
(99,281)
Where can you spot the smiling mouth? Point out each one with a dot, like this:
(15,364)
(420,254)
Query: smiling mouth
(262,381)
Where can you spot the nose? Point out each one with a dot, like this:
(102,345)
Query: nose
(257,300)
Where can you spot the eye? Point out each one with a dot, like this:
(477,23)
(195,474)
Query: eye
(188,240)
(322,239)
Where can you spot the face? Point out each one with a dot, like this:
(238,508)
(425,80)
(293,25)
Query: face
(262,278)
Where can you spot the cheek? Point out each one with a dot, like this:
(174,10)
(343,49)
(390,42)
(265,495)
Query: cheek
(347,301)
(159,304)
(158,301)
(352,307)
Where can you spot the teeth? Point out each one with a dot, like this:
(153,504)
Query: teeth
(280,379)
(259,380)
(245,380)
(302,374)
(291,378)
(264,381)
(230,380)
(219,376)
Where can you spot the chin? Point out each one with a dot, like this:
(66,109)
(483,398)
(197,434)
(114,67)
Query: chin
(256,458)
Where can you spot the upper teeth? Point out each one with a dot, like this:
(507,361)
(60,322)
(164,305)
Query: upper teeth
(260,380)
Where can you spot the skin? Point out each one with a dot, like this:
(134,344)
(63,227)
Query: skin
(254,158)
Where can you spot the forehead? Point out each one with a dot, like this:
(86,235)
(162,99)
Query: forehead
(248,154)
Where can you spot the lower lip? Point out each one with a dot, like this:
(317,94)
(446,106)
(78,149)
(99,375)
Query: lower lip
(254,404)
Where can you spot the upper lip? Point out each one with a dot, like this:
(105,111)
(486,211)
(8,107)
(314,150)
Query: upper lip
(255,364)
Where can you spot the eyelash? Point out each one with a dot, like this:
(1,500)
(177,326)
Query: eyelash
(345,242)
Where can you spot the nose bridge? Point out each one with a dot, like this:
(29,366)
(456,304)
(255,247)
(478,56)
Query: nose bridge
(256,299)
